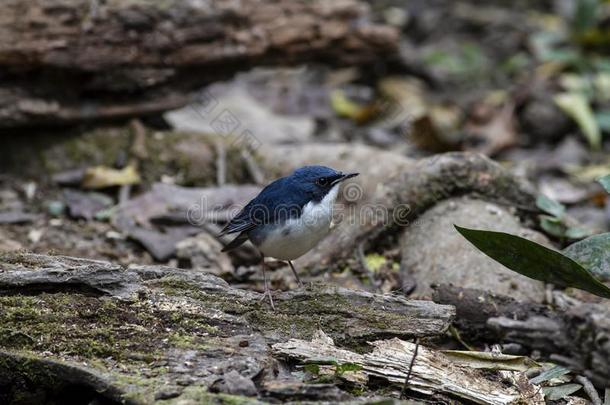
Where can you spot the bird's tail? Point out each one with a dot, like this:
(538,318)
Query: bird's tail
(241,238)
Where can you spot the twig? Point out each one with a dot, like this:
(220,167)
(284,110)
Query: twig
(124,193)
(403,393)
(138,143)
(221,164)
(365,266)
(253,168)
(588,387)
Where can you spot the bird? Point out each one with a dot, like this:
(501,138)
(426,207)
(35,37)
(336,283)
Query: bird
(288,217)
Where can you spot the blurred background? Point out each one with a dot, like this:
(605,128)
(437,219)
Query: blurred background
(106,104)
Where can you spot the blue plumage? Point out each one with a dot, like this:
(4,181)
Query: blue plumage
(282,199)
(289,216)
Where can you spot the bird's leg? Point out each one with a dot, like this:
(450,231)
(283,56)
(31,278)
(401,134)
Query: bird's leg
(267,290)
(295,274)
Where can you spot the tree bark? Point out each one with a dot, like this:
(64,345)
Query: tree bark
(68,61)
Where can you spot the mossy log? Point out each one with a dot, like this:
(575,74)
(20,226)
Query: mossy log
(573,333)
(69,61)
(71,326)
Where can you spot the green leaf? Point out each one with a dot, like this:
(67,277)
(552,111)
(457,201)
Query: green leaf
(534,260)
(578,232)
(603,120)
(560,391)
(553,226)
(550,206)
(490,361)
(577,107)
(605,182)
(593,254)
(554,372)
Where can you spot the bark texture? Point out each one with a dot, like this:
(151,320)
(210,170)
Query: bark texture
(146,333)
(573,333)
(67,61)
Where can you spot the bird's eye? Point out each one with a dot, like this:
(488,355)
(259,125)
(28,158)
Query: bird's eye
(322,181)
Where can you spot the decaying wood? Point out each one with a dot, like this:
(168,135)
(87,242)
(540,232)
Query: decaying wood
(432,372)
(154,331)
(575,332)
(65,61)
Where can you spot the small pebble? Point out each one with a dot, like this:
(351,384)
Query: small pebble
(56,208)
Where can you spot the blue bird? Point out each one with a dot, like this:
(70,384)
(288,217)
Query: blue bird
(289,216)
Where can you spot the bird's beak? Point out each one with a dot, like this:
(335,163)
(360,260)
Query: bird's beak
(344,176)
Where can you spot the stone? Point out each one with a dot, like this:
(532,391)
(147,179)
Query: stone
(451,259)
(203,252)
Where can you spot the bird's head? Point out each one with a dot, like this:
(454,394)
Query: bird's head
(318,181)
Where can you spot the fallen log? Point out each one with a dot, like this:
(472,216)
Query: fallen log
(153,332)
(573,333)
(64,62)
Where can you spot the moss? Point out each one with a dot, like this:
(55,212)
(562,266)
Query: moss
(186,341)
(91,327)
(200,395)
(30,369)
(375,261)
(346,367)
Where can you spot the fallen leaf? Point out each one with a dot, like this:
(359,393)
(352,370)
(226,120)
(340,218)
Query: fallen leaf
(16,217)
(430,126)
(344,107)
(550,206)
(102,177)
(560,391)
(605,182)
(490,361)
(576,106)
(85,205)
(553,372)
(496,133)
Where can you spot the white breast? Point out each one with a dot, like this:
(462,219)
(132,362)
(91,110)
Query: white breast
(297,236)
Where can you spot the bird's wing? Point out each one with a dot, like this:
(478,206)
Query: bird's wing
(240,223)
(278,201)
(241,238)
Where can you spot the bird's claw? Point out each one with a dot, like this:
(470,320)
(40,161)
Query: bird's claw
(268,293)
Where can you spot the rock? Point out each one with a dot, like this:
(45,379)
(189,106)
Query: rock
(85,204)
(7,244)
(543,121)
(72,177)
(203,252)
(161,245)
(168,214)
(10,201)
(235,384)
(237,112)
(451,259)
(16,217)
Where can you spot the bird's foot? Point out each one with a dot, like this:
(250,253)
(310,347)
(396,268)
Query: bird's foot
(269,294)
